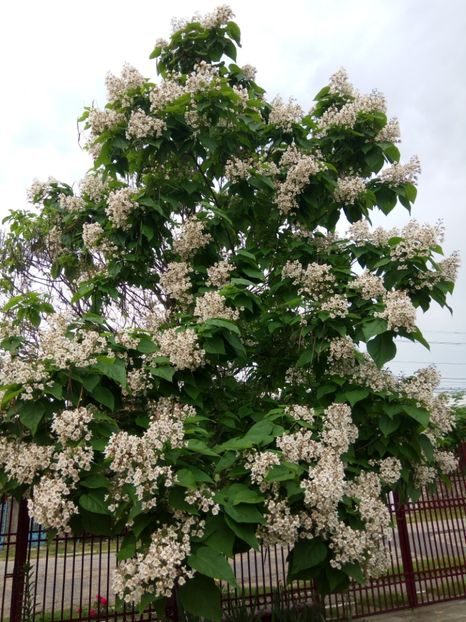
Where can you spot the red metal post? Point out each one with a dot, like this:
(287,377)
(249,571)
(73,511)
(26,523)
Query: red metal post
(406,557)
(21,551)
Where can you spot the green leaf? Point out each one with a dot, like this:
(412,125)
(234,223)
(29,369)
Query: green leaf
(426,446)
(55,389)
(201,597)
(240,493)
(280,473)
(354,571)
(244,513)
(233,30)
(104,396)
(214,345)
(219,536)
(305,358)
(94,502)
(212,564)
(307,554)
(96,480)
(353,397)
(421,415)
(146,346)
(200,447)
(128,547)
(247,533)
(113,368)
(388,425)
(31,414)
(225,461)
(382,349)
(185,478)
(166,372)
(223,324)
(373,328)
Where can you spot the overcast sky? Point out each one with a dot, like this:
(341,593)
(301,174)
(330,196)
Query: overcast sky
(55,55)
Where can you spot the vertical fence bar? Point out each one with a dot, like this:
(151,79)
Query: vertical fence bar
(21,551)
(406,556)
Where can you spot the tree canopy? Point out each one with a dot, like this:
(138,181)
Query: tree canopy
(194,338)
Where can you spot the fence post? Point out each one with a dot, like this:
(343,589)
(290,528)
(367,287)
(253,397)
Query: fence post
(21,551)
(406,557)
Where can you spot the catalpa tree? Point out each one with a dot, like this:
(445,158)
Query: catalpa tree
(192,351)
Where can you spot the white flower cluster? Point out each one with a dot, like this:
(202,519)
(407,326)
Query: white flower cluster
(446,461)
(102,120)
(137,460)
(49,504)
(390,133)
(339,84)
(142,125)
(259,463)
(30,374)
(139,382)
(299,412)
(249,71)
(219,17)
(218,275)
(398,174)
(117,88)
(191,238)
(120,204)
(281,526)
(360,233)
(342,361)
(92,235)
(424,475)
(389,470)
(349,188)
(237,169)
(182,348)
(23,461)
(202,498)
(347,115)
(157,571)
(71,203)
(72,425)
(339,431)
(297,178)
(417,240)
(285,115)
(336,306)
(369,285)
(421,385)
(176,283)
(64,349)
(38,189)
(164,93)
(93,186)
(298,446)
(399,311)
(316,280)
(212,305)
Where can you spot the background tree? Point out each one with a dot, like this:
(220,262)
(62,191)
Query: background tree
(185,334)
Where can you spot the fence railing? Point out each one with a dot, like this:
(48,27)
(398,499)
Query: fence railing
(69,578)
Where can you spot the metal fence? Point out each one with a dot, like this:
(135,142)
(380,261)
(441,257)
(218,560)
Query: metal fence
(69,579)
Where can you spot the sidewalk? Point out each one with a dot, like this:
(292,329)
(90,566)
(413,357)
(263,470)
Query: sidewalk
(453,611)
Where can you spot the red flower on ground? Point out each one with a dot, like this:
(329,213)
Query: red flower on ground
(102,600)
(92,613)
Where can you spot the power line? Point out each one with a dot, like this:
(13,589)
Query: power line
(427,363)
